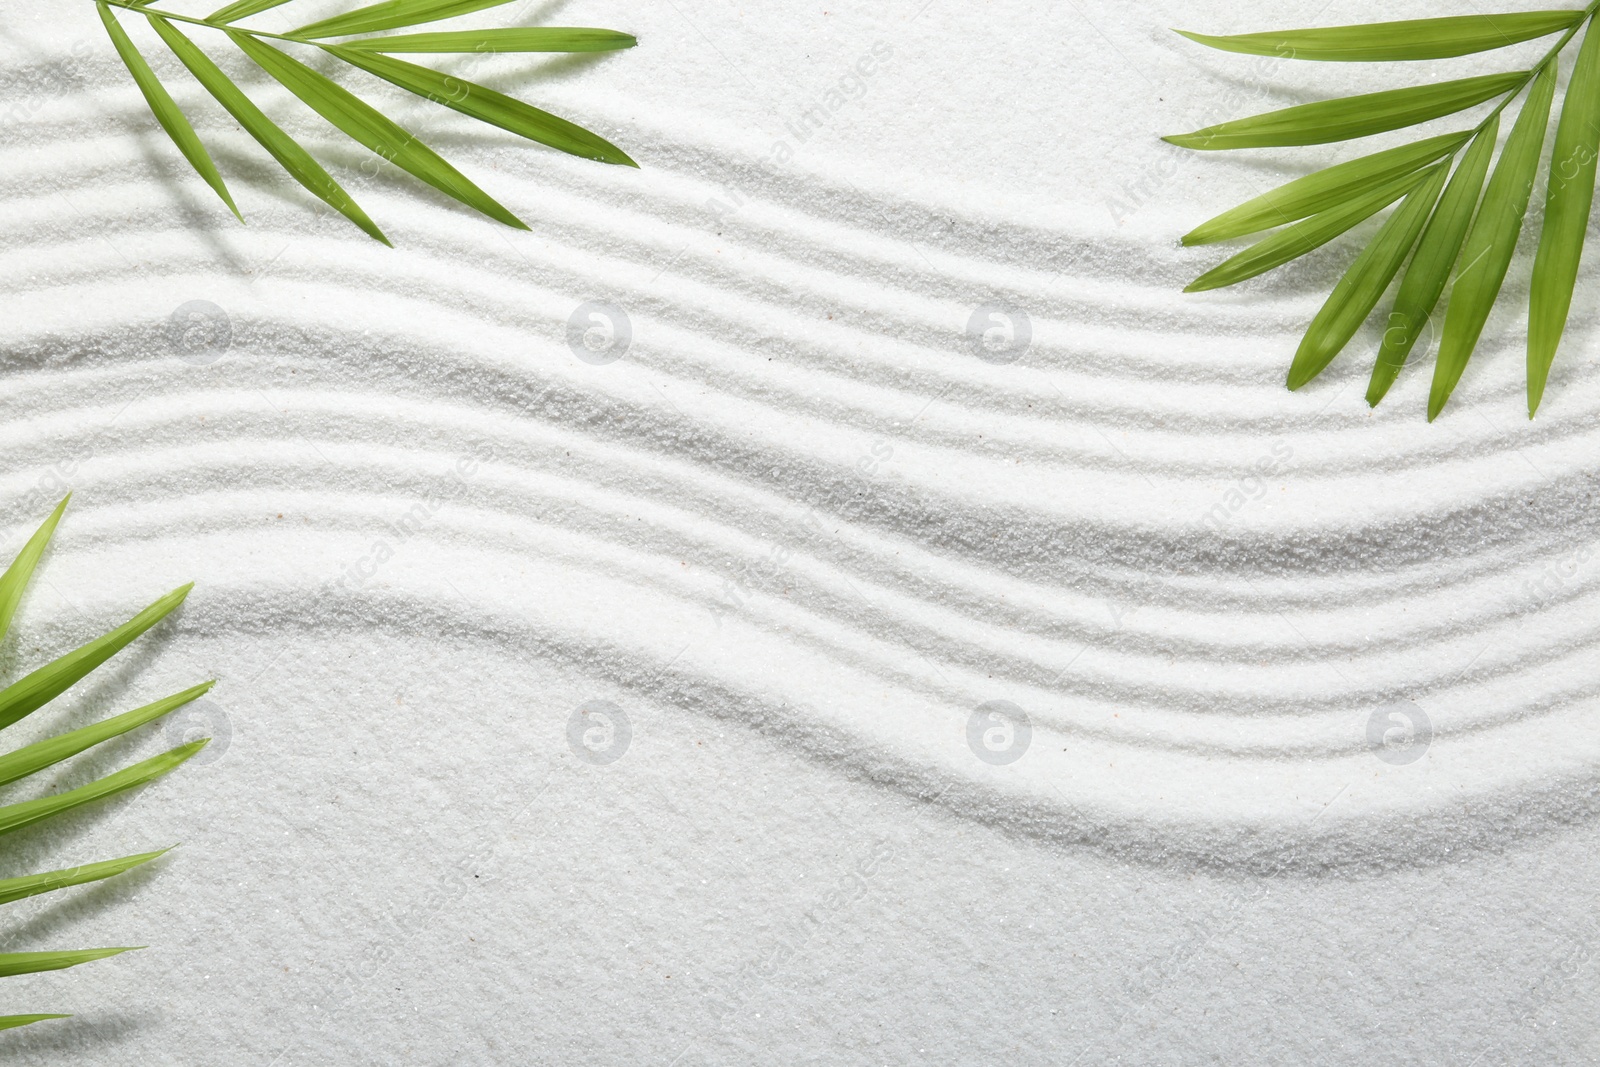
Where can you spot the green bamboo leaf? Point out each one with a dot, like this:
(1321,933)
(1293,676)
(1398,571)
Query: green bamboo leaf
(1566,216)
(1492,240)
(32,885)
(1430,268)
(42,754)
(15,963)
(487,105)
(294,159)
(530,39)
(28,812)
(1324,189)
(1357,293)
(243,9)
(15,580)
(1440,38)
(29,694)
(165,109)
(365,124)
(392,14)
(11,1022)
(1350,116)
(1296,239)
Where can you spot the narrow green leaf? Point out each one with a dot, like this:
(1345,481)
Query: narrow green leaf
(1437,253)
(1566,216)
(32,885)
(1296,239)
(15,963)
(486,105)
(294,159)
(1457,35)
(29,694)
(52,750)
(1350,116)
(392,14)
(1364,282)
(165,109)
(27,812)
(15,580)
(529,39)
(365,124)
(11,1022)
(242,9)
(1324,189)
(1492,240)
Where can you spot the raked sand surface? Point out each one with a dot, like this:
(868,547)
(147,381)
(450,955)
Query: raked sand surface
(575,711)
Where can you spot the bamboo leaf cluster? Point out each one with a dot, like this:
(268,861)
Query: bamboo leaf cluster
(357,47)
(32,692)
(1461,204)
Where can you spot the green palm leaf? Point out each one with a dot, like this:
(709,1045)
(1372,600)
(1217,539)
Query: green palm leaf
(1566,217)
(1463,228)
(487,105)
(15,580)
(31,693)
(11,1022)
(531,39)
(1350,116)
(22,698)
(392,14)
(1491,240)
(165,110)
(33,884)
(365,124)
(38,756)
(355,117)
(1441,38)
(1430,268)
(290,156)
(1298,238)
(25,813)
(1324,189)
(15,963)
(243,9)
(1364,282)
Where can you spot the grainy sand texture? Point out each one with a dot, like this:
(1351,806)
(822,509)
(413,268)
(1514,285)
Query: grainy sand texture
(824,597)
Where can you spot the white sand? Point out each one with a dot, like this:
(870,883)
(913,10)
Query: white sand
(797,534)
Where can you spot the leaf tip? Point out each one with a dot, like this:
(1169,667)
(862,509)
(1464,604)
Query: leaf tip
(192,748)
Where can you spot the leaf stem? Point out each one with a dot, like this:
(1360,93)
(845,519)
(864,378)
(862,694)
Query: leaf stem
(144,9)
(1566,38)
